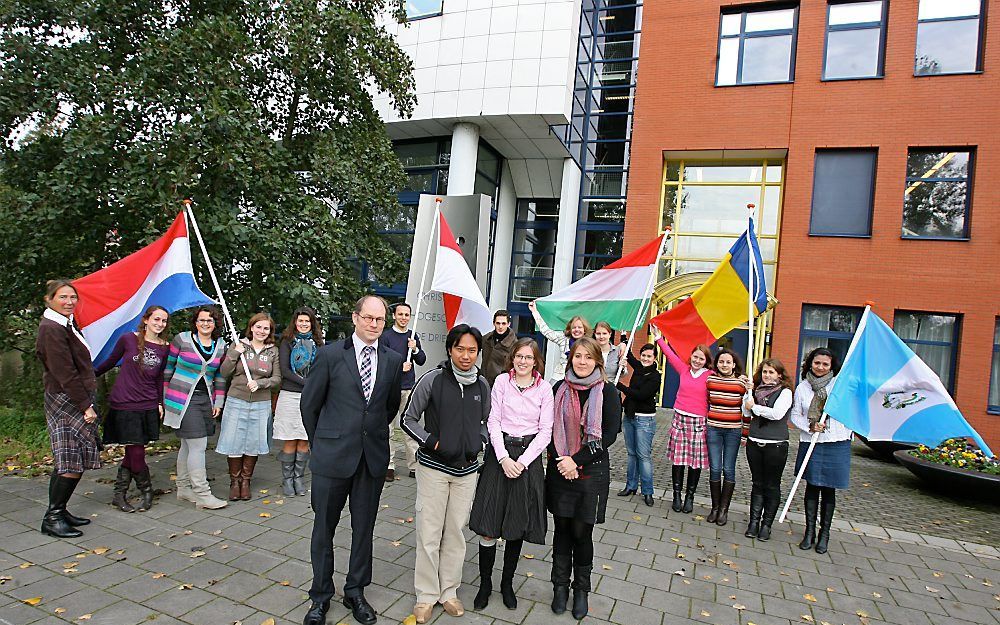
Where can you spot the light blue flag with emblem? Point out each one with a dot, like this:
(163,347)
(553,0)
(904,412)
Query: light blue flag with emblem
(885,392)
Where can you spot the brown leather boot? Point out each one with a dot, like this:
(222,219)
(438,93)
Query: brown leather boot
(235,470)
(249,462)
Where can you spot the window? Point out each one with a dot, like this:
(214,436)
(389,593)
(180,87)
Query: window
(827,326)
(855,41)
(843,193)
(757,47)
(993,405)
(416,9)
(534,249)
(933,337)
(949,37)
(938,193)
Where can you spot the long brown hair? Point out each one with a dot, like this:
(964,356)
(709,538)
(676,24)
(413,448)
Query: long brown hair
(315,327)
(141,341)
(592,347)
(783,378)
(261,316)
(535,351)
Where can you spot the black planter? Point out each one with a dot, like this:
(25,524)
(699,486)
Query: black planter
(951,480)
(885,449)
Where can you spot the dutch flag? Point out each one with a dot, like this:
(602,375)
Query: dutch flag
(113,299)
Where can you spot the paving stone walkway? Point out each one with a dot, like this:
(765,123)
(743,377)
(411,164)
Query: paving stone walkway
(248,564)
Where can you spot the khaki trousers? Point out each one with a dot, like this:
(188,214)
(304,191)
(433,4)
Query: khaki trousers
(443,506)
(399,441)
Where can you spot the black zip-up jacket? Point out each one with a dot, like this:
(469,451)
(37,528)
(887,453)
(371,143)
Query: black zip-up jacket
(640,394)
(454,419)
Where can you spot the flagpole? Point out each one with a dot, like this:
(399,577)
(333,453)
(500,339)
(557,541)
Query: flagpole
(423,274)
(822,419)
(215,282)
(647,296)
(752,291)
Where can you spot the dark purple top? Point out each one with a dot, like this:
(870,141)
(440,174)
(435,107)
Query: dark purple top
(139,385)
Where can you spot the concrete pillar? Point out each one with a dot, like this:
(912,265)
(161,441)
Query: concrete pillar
(562,272)
(464,152)
(503,241)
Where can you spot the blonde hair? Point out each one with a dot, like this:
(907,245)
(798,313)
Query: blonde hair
(569,325)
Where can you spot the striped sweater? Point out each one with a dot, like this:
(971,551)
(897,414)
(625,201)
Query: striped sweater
(725,401)
(185,368)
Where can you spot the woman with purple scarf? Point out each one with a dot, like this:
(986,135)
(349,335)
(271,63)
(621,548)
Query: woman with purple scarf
(587,419)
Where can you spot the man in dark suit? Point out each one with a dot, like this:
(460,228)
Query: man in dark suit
(350,396)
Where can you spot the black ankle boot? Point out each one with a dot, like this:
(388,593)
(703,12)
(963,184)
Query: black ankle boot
(825,521)
(122,481)
(677,480)
(54,523)
(487,557)
(560,581)
(812,507)
(693,476)
(145,484)
(511,554)
(756,508)
(581,589)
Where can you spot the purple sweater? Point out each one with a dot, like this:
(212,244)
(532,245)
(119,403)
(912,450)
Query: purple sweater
(139,385)
(692,393)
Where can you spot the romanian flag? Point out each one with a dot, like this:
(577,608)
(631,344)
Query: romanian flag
(721,303)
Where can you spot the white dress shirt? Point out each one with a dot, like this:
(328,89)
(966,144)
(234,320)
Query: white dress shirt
(64,321)
(360,345)
(835,430)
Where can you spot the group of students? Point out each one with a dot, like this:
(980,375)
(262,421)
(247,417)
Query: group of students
(475,438)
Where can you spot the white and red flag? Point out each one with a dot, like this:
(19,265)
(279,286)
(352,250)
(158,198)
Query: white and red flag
(463,301)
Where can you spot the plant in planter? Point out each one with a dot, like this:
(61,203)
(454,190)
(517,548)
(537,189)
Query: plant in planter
(955,468)
(958,453)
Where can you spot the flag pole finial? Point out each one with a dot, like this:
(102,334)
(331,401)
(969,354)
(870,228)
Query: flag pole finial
(870,303)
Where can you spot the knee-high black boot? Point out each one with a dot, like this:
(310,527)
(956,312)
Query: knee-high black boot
(581,590)
(693,476)
(715,489)
(122,481)
(487,557)
(677,480)
(561,564)
(55,523)
(511,554)
(812,506)
(756,508)
(771,503)
(825,520)
(145,483)
(71,518)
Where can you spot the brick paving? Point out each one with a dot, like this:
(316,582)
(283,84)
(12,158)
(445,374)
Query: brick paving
(248,563)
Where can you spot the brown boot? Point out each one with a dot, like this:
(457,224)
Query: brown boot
(249,462)
(235,469)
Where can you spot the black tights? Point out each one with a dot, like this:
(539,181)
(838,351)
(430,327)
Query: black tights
(575,538)
(829,494)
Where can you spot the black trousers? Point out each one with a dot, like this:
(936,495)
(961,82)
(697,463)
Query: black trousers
(766,465)
(329,495)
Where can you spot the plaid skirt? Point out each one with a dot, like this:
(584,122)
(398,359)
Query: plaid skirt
(687,444)
(76,444)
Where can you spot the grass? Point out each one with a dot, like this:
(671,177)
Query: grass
(24,442)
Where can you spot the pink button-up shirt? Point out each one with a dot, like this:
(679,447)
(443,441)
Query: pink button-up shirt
(520,414)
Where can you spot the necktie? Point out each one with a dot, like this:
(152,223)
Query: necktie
(366,371)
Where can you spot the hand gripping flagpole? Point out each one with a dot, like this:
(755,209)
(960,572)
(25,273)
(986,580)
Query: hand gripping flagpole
(822,419)
(215,283)
(423,274)
(647,297)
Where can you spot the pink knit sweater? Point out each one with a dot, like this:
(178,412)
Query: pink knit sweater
(692,394)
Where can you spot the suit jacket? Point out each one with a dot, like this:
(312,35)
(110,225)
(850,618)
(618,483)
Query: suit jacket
(340,425)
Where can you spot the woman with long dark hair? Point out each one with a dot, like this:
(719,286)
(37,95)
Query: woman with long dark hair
(829,467)
(510,495)
(587,419)
(70,385)
(726,386)
(767,443)
(300,342)
(136,402)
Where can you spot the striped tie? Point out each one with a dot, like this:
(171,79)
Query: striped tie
(366,371)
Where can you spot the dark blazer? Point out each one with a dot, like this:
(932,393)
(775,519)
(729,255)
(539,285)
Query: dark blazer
(339,423)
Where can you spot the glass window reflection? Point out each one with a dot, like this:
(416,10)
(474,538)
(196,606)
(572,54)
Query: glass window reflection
(416,9)
(756,47)
(854,40)
(949,37)
(936,200)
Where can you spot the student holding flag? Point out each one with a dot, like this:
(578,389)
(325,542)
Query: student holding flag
(576,328)
(829,468)
(137,402)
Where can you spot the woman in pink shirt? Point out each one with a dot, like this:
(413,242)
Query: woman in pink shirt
(687,446)
(510,497)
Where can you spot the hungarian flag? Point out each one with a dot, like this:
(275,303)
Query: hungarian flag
(614,294)
(463,301)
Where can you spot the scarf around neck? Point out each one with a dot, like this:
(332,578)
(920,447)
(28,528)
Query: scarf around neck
(303,353)
(466,378)
(575,425)
(818,402)
(763,392)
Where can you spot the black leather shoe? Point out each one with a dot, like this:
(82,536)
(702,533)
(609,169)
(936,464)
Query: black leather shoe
(648,499)
(363,612)
(626,492)
(74,520)
(316,614)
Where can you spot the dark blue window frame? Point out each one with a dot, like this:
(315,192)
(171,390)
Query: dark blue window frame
(968,189)
(880,25)
(981,17)
(952,344)
(743,35)
(995,408)
(822,334)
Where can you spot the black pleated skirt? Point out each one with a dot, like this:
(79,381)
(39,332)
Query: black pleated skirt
(132,427)
(506,508)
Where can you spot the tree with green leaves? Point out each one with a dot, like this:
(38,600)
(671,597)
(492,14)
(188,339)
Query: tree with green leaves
(112,112)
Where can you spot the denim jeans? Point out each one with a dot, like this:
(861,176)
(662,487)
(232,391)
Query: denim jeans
(723,448)
(639,433)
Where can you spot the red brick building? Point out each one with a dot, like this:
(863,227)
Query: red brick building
(867,134)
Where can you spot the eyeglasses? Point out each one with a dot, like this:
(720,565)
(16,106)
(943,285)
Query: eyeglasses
(212,321)
(370,320)
(528,358)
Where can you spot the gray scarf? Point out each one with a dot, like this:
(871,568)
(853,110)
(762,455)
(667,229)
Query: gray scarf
(465,378)
(818,402)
